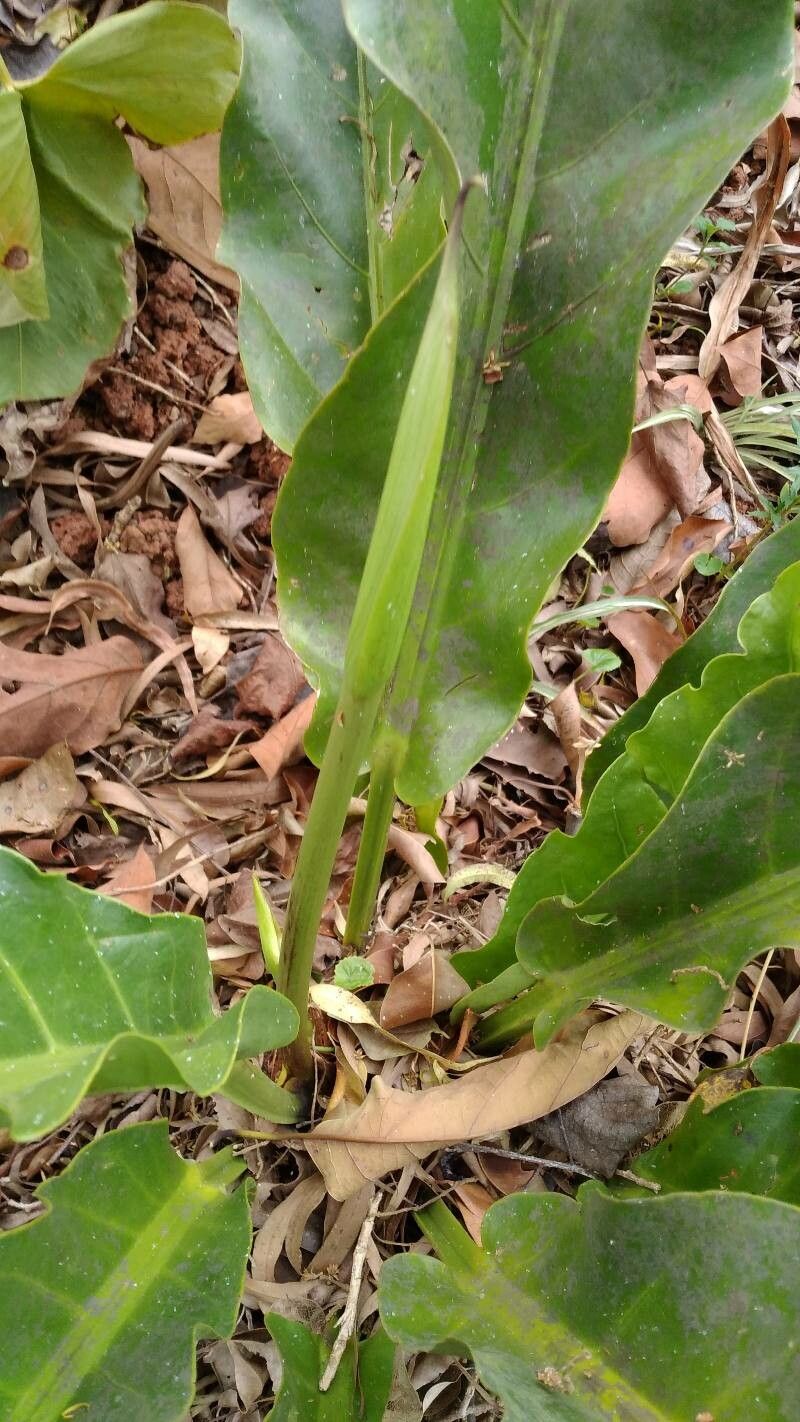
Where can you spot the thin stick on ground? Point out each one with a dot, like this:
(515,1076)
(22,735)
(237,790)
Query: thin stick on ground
(349,1318)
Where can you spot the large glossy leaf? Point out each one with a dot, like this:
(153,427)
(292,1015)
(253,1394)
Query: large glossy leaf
(750,1143)
(718,634)
(361,1387)
(635,792)
(598,147)
(96,997)
(102,1298)
(714,884)
(327,215)
(71,196)
(634,1311)
(780,1067)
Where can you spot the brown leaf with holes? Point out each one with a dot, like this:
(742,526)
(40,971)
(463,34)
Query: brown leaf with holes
(393,1128)
(647,641)
(208,586)
(431,986)
(77,697)
(36,800)
(273,682)
(184,203)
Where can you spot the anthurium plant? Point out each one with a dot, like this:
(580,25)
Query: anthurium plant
(447,219)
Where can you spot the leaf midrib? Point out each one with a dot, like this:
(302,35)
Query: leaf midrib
(124,1293)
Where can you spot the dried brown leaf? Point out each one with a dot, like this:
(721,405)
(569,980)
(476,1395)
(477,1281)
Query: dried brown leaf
(208,586)
(647,641)
(393,1127)
(185,210)
(741,357)
(133,882)
(76,697)
(229,419)
(273,682)
(283,742)
(724,307)
(431,986)
(36,800)
(694,536)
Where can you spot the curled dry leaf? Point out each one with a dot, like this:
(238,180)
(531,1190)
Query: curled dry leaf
(431,986)
(133,882)
(229,419)
(274,681)
(741,358)
(724,308)
(208,732)
(77,697)
(184,207)
(664,465)
(208,586)
(695,535)
(36,800)
(647,641)
(393,1128)
(283,742)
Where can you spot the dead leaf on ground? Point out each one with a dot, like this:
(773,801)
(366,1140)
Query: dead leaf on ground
(208,732)
(283,742)
(536,751)
(77,697)
(566,712)
(132,574)
(431,986)
(473,1201)
(694,536)
(741,359)
(185,209)
(36,800)
(724,306)
(273,682)
(133,882)
(229,419)
(208,586)
(393,1128)
(647,641)
(598,1129)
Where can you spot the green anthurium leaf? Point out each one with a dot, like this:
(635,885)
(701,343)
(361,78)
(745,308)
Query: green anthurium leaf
(332,200)
(621,814)
(169,70)
(138,1254)
(718,634)
(715,883)
(632,1311)
(97,997)
(360,1389)
(578,146)
(22,288)
(633,795)
(780,1067)
(750,1143)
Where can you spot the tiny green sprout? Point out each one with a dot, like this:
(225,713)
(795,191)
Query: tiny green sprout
(601,659)
(267,930)
(708,565)
(353,973)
